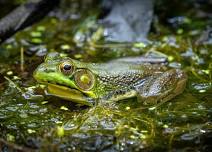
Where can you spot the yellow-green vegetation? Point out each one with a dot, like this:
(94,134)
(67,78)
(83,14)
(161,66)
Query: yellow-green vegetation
(29,117)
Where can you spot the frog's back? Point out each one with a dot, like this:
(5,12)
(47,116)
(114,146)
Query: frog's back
(122,68)
(124,75)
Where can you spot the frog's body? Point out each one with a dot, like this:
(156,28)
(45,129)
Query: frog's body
(116,80)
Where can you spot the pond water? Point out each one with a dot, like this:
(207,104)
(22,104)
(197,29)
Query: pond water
(29,120)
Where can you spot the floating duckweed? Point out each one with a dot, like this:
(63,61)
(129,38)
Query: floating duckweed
(78,56)
(63,108)
(36,34)
(165,126)
(180,31)
(36,40)
(31,88)
(63,55)
(10,138)
(170,58)
(152,108)
(44,102)
(65,47)
(41,28)
(9,46)
(187,20)
(54,21)
(139,45)
(132,137)
(165,38)
(16,78)
(206,71)
(127,108)
(10,73)
(58,122)
(202,91)
(30,131)
(142,136)
(60,131)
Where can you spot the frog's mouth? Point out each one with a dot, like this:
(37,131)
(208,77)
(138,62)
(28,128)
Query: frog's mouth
(66,93)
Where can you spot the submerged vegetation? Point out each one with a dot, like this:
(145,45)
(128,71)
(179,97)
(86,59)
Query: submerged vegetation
(28,118)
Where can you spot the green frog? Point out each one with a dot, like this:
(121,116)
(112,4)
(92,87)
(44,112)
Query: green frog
(148,79)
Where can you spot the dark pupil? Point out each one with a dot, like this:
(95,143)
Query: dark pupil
(67,67)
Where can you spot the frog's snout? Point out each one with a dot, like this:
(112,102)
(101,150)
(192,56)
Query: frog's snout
(38,71)
(46,68)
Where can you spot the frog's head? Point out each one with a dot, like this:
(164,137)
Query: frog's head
(67,78)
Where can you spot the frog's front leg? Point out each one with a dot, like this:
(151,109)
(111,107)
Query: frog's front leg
(161,87)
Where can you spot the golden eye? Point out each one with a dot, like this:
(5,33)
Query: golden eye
(66,68)
(84,79)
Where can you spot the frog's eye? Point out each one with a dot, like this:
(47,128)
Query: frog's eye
(66,68)
(84,79)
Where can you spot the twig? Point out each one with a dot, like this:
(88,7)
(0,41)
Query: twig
(22,59)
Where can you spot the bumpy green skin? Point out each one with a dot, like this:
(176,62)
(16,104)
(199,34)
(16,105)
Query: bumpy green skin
(117,80)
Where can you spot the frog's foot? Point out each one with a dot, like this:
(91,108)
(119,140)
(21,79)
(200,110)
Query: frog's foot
(162,88)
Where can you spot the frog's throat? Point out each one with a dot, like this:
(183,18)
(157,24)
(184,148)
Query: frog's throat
(67,94)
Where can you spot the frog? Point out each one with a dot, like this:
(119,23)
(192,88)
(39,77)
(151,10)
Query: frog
(147,79)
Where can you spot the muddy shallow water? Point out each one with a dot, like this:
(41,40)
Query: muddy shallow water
(29,120)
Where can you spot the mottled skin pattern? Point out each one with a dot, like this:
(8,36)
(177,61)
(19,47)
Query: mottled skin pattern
(123,77)
(117,80)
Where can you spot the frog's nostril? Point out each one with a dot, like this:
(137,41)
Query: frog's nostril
(45,70)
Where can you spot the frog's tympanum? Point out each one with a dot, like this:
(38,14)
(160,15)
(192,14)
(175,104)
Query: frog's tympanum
(116,80)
